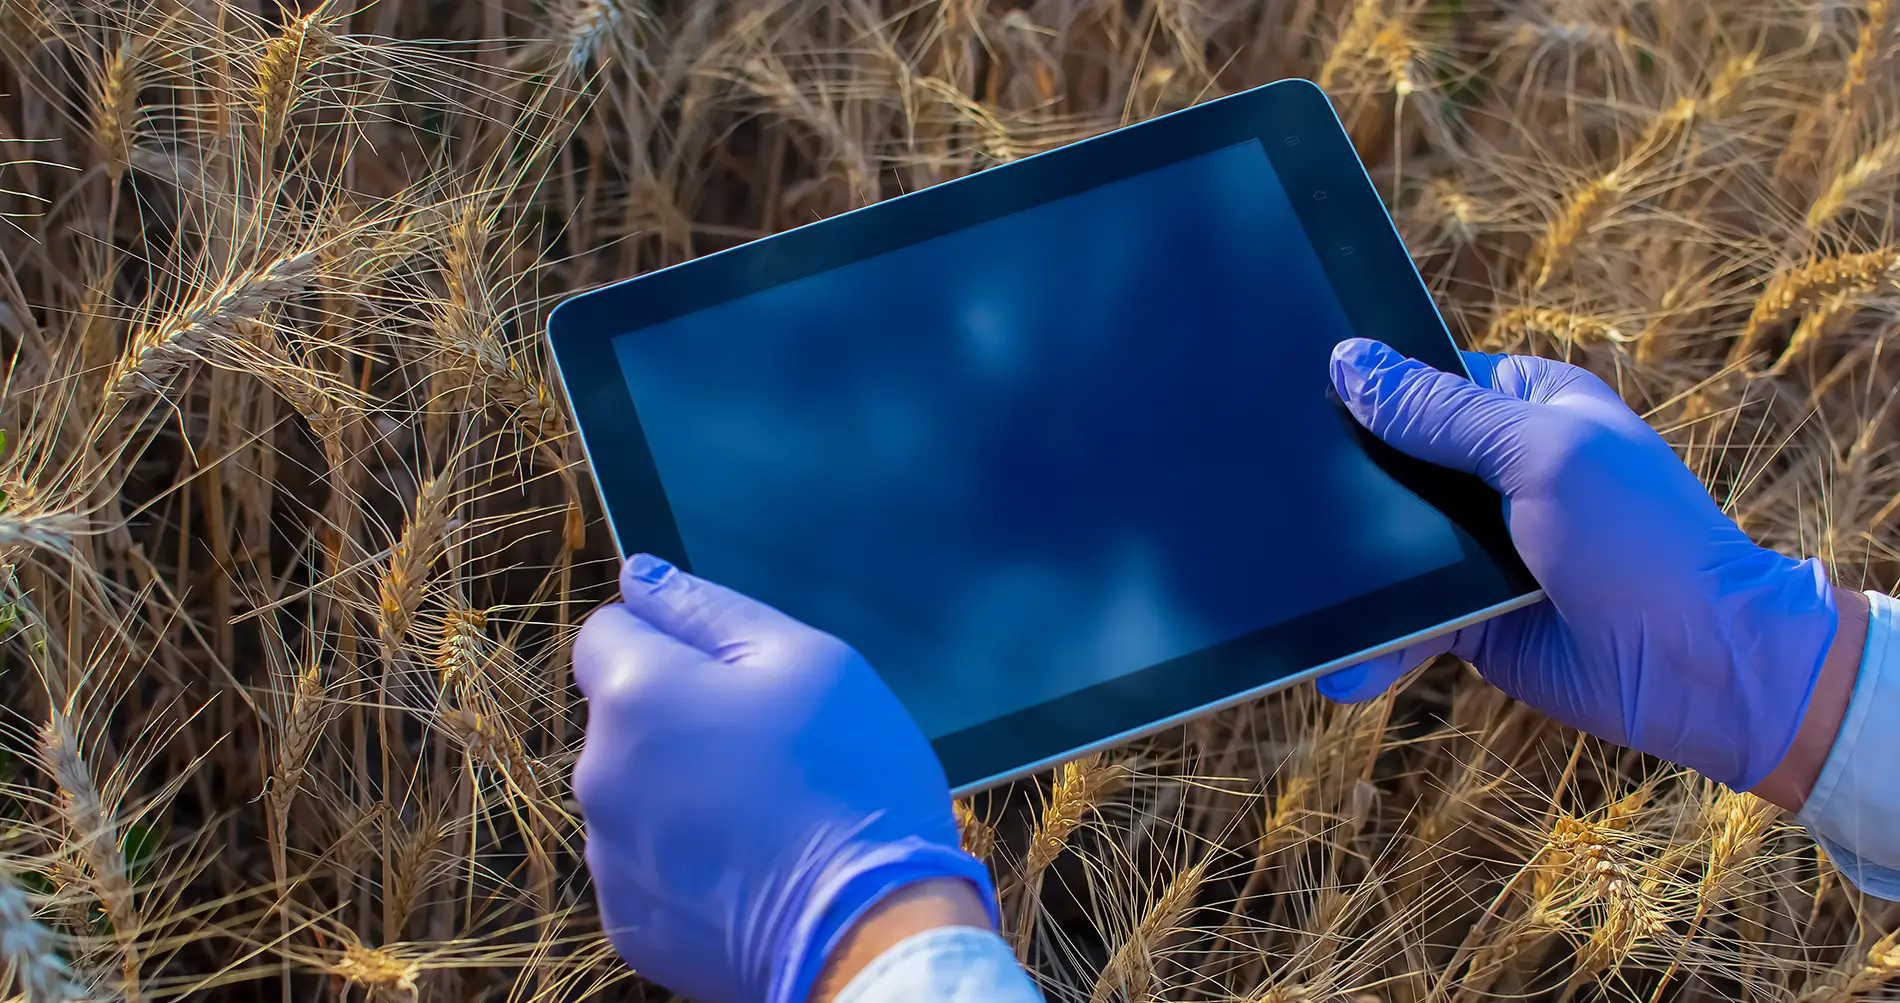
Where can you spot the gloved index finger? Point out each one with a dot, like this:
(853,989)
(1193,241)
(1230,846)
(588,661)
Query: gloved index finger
(718,621)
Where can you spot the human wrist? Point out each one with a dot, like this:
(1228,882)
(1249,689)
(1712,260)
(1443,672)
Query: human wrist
(929,904)
(1790,782)
(838,897)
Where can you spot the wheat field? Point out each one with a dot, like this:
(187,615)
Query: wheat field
(295,536)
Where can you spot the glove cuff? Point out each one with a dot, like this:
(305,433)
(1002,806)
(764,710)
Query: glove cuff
(1782,624)
(847,888)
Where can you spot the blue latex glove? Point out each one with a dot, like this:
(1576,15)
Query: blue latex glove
(1665,629)
(750,786)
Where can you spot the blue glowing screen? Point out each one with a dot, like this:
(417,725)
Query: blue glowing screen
(1037,453)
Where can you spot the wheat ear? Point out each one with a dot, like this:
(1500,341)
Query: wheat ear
(115,107)
(1362,27)
(49,531)
(587,26)
(98,841)
(424,535)
(458,652)
(281,70)
(490,742)
(410,866)
(977,834)
(25,25)
(38,970)
(309,715)
(1824,321)
(376,969)
(1077,789)
(208,323)
(1795,289)
(1880,968)
(1073,796)
(1594,202)
(1557,325)
(1738,825)
(1130,970)
(467,333)
(1582,210)
(1867,44)
(1849,184)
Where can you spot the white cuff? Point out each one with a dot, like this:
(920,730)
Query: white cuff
(1854,809)
(951,964)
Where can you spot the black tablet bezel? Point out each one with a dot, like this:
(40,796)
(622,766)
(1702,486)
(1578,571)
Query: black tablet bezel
(1362,255)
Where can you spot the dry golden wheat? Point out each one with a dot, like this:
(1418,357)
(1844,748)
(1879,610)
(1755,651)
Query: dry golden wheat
(1129,974)
(28,947)
(97,837)
(1813,284)
(282,71)
(1855,180)
(376,969)
(206,328)
(294,540)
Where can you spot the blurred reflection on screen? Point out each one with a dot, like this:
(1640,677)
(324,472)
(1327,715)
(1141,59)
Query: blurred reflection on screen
(1035,454)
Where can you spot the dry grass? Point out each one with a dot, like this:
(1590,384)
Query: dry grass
(294,541)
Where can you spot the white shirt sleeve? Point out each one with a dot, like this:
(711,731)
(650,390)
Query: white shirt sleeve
(1854,809)
(952,964)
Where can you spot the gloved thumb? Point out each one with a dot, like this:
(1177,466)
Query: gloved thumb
(1436,416)
(718,621)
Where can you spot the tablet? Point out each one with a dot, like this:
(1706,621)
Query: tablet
(1053,445)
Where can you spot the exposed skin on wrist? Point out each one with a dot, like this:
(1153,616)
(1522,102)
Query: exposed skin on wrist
(1790,782)
(926,905)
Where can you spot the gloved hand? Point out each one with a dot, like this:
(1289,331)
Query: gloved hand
(750,787)
(1665,629)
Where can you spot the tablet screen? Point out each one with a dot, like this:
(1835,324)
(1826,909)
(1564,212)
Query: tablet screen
(1028,456)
